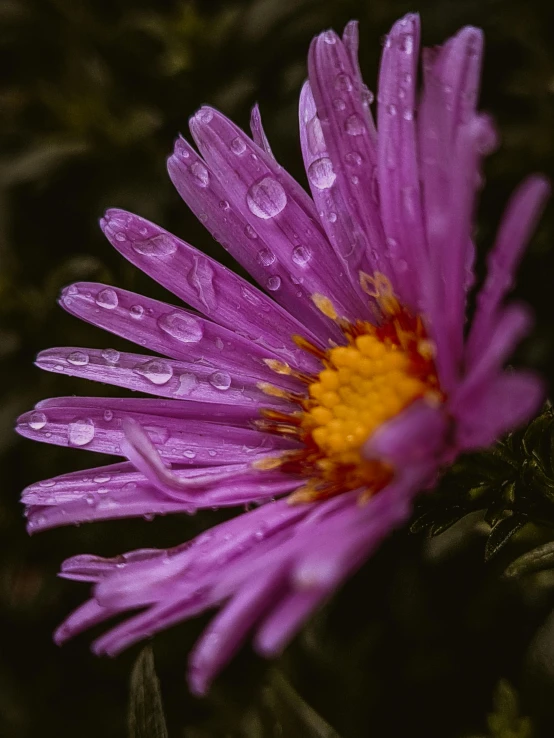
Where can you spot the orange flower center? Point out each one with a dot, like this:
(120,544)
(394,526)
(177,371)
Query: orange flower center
(379,371)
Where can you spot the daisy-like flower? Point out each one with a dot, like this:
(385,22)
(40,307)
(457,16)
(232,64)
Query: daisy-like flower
(325,402)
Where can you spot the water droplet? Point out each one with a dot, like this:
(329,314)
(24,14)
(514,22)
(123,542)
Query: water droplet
(187,383)
(181,326)
(107,299)
(316,141)
(204,115)
(238,146)
(355,180)
(354,125)
(339,104)
(37,421)
(161,245)
(111,356)
(120,237)
(343,83)
(266,257)
(200,174)
(220,380)
(391,109)
(250,232)
(367,96)
(80,432)
(219,344)
(330,37)
(156,371)
(224,205)
(266,198)
(408,114)
(407,44)
(353,159)
(91,500)
(72,290)
(102,479)
(321,174)
(301,255)
(78,358)
(332,217)
(189,454)
(212,452)
(136,311)
(108,415)
(273,283)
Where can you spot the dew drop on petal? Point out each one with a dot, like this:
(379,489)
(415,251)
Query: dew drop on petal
(354,125)
(266,257)
(111,356)
(343,83)
(238,146)
(187,383)
(78,358)
(108,415)
(329,37)
(181,326)
(107,299)
(224,205)
(367,96)
(316,141)
(321,174)
(161,245)
(266,198)
(204,115)
(156,371)
(332,217)
(353,158)
(339,104)
(273,283)
(250,232)
(102,479)
(37,421)
(80,432)
(200,174)
(301,255)
(220,380)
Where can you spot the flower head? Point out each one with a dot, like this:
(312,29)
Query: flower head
(329,400)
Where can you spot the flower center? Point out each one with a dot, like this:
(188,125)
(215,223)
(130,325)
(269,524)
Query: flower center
(379,371)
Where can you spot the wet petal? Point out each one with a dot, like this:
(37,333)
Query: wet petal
(517,225)
(194,381)
(258,133)
(206,285)
(267,199)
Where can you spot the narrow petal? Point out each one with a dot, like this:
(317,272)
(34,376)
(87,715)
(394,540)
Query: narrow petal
(265,197)
(328,196)
(228,630)
(278,629)
(338,95)
(186,380)
(513,324)
(206,285)
(509,400)
(165,329)
(398,167)
(518,223)
(199,441)
(418,433)
(258,133)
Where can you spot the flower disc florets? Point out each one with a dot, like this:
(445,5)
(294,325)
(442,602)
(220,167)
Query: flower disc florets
(383,367)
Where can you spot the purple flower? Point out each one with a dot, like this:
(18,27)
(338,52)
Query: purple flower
(326,404)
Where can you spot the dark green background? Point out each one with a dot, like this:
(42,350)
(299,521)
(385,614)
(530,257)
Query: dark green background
(93,96)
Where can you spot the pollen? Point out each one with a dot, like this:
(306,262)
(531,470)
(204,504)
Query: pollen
(378,371)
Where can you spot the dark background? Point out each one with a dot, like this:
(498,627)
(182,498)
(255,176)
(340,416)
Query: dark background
(93,97)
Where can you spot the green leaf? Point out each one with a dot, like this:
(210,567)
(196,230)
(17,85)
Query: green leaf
(146,714)
(501,534)
(538,559)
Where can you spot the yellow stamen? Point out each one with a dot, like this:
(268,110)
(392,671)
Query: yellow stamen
(379,371)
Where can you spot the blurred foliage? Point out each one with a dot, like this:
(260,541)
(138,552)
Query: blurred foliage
(94,93)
